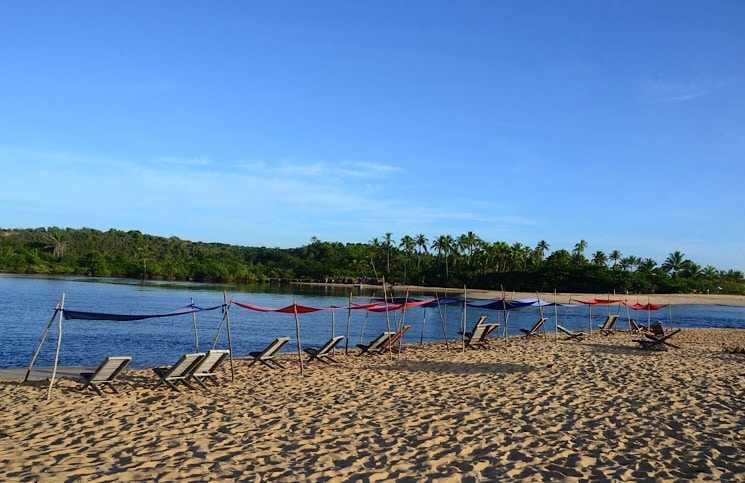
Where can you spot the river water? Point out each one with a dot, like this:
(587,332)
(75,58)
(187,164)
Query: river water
(27,306)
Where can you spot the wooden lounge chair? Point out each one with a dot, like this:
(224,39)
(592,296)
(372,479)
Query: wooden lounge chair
(473,339)
(478,338)
(484,340)
(180,372)
(374,346)
(105,374)
(395,339)
(657,340)
(571,334)
(266,356)
(533,331)
(206,369)
(637,328)
(325,353)
(606,328)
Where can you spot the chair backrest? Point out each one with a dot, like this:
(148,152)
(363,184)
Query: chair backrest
(488,329)
(110,368)
(479,322)
(657,329)
(609,323)
(211,361)
(272,349)
(330,344)
(476,334)
(379,341)
(564,329)
(538,325)
(395,338)
(185,365)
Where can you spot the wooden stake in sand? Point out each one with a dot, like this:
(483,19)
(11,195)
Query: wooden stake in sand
(443,321)
(297,333)
(349,323)
(59,343)
(387,317)
(230,339)
(196,332)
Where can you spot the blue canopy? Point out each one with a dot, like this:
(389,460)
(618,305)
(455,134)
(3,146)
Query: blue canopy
(504,304)
(188,309)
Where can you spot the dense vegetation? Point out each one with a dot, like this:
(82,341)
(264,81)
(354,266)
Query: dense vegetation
(446,261)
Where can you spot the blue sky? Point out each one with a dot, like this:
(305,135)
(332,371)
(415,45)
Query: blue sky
(267,123)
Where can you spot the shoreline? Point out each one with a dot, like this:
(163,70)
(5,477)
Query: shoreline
(559,297)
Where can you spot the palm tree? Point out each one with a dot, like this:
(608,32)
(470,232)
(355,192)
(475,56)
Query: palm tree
(517,256)
(421,243)
(599,258)
(647,265)
(443,246)
(674,262)
(500,252)
(540,250)
(616,256)
(579,250)
(56,242)
(374,250)
(733,275)
(626,263)
(388,243)
(692,270)
(634,261)
(470,241)
(710,272)
(408,245)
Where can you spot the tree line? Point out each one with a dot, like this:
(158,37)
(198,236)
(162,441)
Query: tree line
(445,261)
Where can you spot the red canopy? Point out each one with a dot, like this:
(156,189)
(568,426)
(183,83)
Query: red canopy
(599,302)
(638,306)
(303,309)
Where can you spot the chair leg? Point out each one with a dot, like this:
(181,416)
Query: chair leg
(97,389)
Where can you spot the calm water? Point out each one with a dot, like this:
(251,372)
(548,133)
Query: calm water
(27,305)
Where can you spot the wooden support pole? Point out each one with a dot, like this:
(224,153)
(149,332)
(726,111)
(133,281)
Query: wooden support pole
(297,333)
(59,344)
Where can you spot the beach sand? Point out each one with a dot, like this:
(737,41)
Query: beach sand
(519,410)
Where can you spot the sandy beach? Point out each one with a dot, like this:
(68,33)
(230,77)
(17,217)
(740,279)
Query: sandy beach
(519,410)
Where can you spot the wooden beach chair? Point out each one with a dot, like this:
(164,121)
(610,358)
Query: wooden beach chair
(325,353)
(206,369)
(656,340)
(105,374)
(533,331)
(395,340)
(637,328)
(606,328)
(571,334)
(478,337)
(473,337)
(484,340)
(266,356)
(375,345)
(180,372)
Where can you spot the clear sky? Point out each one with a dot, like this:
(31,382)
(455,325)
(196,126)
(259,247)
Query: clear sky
(265,123)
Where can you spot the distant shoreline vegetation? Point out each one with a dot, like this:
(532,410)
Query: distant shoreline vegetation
(412,260)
